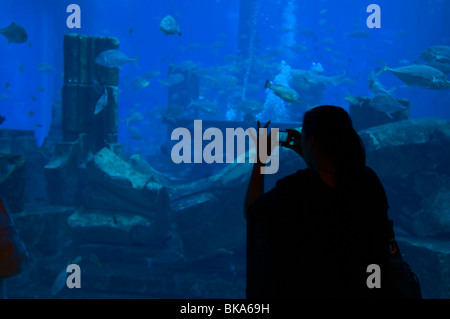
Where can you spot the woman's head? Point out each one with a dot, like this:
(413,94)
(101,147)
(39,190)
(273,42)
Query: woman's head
(330,127)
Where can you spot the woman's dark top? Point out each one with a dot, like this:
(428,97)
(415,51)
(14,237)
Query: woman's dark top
(307,240)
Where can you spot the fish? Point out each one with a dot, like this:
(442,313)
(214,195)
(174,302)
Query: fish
(101,103)
(139,83)
(33,98)
(248,106)
(204,106)
(40,88)
(130,31)
(21,68)
(420,75)
(172,79)
(14,33)
(437,53)
(286,93)
(61,279)
(151,74)
(7,85)
(169,25)
(2,119)
(114,59)
(134,118)
(386,103)
(358,34)
(44,68)
(307,78)
(30,113)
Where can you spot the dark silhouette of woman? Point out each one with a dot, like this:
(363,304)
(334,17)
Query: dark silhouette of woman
(314,235)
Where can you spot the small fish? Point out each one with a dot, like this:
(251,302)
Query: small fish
(134,118)
(114,59)
(44,68)
(21,68)
(136,137)
(130,31)
(7,85)
(33,97)
(14,33)
(139,83)
(30,113)
(40,88)
(151,74)
(359,34)
(169,25)
(173,79)
(287,94)
(2,119)
(101,103)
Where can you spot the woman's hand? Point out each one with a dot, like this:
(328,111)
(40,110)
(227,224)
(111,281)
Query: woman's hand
(294,141)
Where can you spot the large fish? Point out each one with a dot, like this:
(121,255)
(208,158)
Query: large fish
(437,53)
(286,93)
(420,75)
(114,59)
(14,33)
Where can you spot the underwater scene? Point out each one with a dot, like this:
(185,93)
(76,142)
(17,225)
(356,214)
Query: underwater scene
(96,96)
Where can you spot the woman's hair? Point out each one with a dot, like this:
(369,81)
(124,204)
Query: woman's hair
(332,127)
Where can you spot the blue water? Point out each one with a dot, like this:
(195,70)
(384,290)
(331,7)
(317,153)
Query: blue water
(407,28)
(210,39)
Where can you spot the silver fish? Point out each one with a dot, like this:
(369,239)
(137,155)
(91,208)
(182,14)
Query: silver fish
(437,53)
(101,103)
(114,59)
(420,75)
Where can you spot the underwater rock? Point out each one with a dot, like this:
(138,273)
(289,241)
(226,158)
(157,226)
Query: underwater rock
(429,259)
(115,186)
(23,142)
(104,227)
(411,159)
(12,181)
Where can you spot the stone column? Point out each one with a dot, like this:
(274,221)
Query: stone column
(83,131)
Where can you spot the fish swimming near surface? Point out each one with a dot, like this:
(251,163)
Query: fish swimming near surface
(420,75)
(437,53)
(101,103)
(114,59)
(2,119)
(169,25)
(14,33)
(286,93)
